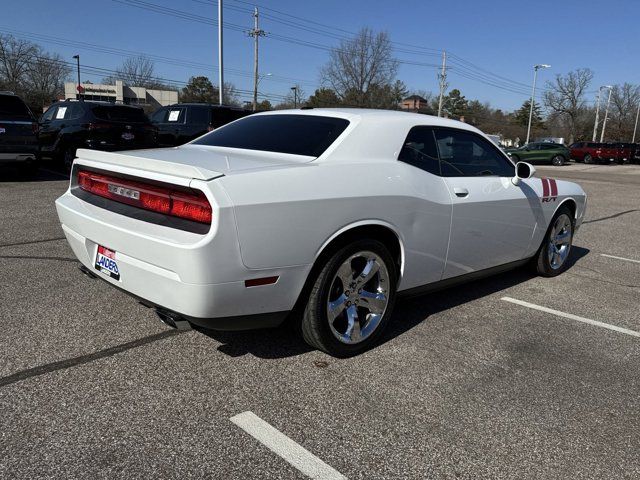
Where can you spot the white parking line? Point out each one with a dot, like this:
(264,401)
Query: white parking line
(286,448)
(620,258)
(570,316)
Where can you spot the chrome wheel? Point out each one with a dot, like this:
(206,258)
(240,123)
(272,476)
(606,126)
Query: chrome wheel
(358,297)
(558,160)
(559,241)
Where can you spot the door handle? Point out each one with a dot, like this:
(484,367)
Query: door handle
(461,192)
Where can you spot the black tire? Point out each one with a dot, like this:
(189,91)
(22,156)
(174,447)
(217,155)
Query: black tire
(588,159)
(541,262)
(315,326)
(68,156)
(557,161)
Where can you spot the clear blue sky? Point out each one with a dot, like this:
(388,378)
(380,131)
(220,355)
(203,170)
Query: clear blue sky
(505,37)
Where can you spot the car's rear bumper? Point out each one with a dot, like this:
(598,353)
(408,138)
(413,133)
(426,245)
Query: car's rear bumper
(199,277)
(18,156)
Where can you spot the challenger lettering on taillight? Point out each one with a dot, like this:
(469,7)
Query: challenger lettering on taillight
(165,200)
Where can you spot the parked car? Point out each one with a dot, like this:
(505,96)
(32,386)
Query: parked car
(328,213)
(72,124)
(625,152)
(636,153)
(18,134)
(592,152)
(182,122)
(541,152)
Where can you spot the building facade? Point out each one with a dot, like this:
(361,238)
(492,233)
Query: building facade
(121,93)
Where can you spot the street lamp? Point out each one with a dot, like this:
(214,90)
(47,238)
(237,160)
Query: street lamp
(255,92)
(295,96)
(595,124)
(533,94)
(606,113)
(633,140)
(79,87)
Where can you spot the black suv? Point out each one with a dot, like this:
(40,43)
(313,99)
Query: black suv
(18,133)
(180,123)
(72,124)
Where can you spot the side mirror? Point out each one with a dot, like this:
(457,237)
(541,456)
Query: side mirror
(524,170)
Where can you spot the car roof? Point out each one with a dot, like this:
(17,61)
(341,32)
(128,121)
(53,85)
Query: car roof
(369,115)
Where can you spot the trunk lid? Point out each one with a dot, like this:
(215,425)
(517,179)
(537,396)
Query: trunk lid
(194,161)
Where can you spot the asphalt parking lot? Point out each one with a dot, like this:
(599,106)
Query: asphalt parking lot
(467,384)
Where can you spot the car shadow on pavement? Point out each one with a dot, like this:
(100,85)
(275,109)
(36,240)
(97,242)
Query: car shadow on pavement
(410,312)
(11,174)
(285,341)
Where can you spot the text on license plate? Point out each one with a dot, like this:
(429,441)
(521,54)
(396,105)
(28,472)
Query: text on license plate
(106,262)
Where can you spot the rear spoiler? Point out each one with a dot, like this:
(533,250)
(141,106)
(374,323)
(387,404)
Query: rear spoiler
(131,160)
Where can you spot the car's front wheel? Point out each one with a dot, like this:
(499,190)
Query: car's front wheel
(351,300)
(588,159)
(557,161)
(551,259)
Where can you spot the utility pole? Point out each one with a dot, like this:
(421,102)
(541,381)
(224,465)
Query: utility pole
(595,124)
(443,81)
(79,87)
(533,96)
(220,69)
(606,114)
(633,140)
(256,33)
(295,96)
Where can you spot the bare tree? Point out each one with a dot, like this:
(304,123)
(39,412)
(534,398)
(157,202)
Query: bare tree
(359,66)
(624,101)
(15,58)
(565,97)
(45,78)
(137,72)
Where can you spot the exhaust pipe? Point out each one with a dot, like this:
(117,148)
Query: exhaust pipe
(173,320)
(87,272)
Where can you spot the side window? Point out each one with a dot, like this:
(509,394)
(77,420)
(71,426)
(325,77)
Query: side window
(159,116)
(420,150)
(199,115)
(175,115)
(48,115)
(465,154)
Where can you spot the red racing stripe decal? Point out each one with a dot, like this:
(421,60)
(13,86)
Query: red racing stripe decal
(554,187)
(545,187)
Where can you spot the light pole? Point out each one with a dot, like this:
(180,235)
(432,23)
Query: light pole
(79,87)
(255,93)
(606,114)
(533,94)
(595,124)
(633,140)
(220,56)
(295,96)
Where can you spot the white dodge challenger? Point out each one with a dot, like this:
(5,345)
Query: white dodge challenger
(329,213)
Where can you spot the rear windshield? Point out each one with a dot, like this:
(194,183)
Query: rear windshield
(120,113)
(308,135)
(12,108)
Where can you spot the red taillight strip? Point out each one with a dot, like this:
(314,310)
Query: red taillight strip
(167,201)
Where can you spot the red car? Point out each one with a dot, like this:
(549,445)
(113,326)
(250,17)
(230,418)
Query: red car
(592,152)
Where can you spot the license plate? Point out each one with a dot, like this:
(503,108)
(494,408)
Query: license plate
(106,262)
(128,136)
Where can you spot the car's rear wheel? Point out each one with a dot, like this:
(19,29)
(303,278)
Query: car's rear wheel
(551,259)
(557,161)
(351,300)
(588,159)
